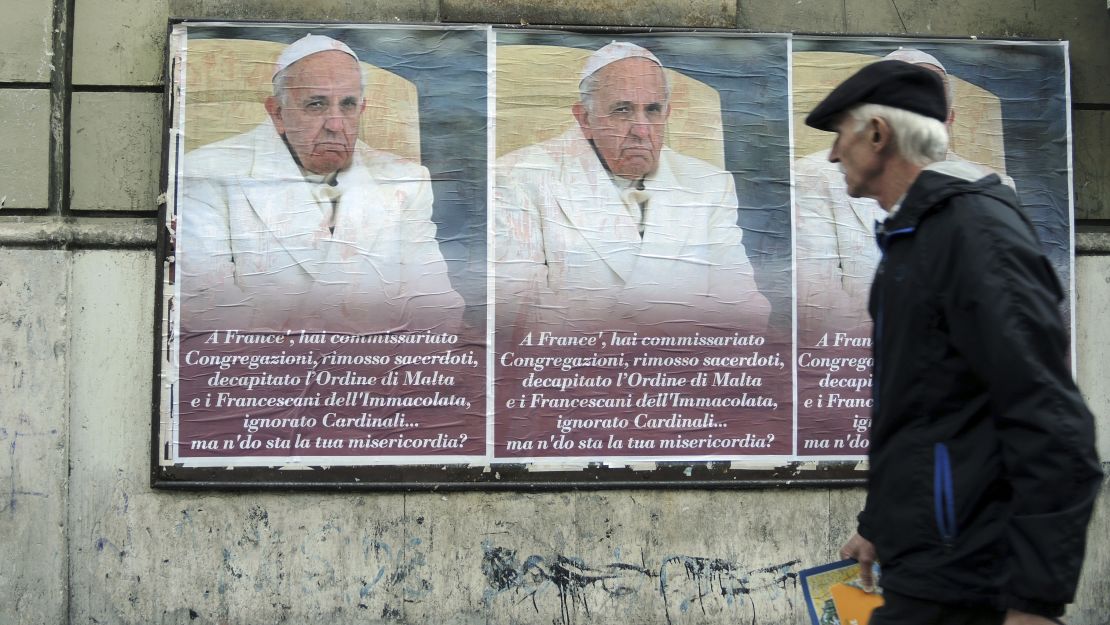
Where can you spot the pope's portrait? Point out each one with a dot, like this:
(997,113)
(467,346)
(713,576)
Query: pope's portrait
(836,250)
(605,225)
(297,224)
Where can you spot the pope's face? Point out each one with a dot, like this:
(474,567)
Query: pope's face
(859,161)
(320,110)
(629,116)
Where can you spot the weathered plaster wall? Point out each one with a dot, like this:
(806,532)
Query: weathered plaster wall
(34,435)
(84,539)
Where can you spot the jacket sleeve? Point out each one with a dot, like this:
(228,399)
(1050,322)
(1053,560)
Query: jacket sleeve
(1001,299)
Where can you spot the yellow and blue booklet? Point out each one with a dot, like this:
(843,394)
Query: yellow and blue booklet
(835,596)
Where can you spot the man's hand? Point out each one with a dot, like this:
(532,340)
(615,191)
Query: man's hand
(861,549)
(1013,617)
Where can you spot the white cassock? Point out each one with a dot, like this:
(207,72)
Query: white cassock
(569,250)
(262,248)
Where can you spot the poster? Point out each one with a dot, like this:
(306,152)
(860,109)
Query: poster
(328,284)
(482,252)
(667,343)
(1008,115)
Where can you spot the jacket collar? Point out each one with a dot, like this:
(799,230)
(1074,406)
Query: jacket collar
(933,186)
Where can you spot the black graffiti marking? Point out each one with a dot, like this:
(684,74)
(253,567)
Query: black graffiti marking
(724,578)
(573,576)
(570,576)
(500,568)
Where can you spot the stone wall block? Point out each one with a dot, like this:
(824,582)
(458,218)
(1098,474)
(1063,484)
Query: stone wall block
(1091,144)
(24,148)
(322,10)
(811,16)
(119,42)
(116,147)
(26,38)
(694,13)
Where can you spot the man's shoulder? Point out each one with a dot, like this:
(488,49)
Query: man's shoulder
(956,181)
(687,163)
(384,165)
(981,169)
(952,204)
(692,174)
(816,160)
(230,157)
(543,155)
(817,165)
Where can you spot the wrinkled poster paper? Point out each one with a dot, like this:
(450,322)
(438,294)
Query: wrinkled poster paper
(330,246)
(470,265)
(1009,116)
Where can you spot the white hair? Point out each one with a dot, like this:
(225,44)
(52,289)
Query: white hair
(589,85)
(279,86)
(919,139)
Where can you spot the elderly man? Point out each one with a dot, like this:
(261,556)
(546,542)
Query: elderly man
(604,226)
(836,251)
(983,471)
(297,224)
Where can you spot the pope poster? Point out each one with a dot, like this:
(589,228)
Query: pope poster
(494,254)
(641,247)
(1001,120)
(328,285)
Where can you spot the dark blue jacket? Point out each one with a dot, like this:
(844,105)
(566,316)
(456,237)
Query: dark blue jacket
(983,470)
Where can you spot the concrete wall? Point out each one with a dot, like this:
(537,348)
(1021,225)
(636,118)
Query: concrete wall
(84,539)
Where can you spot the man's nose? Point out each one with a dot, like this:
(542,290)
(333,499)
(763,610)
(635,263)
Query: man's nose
(334,121)
(641,126)
(639,129)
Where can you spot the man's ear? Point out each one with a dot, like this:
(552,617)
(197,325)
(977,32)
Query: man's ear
(583,117)
(881,134)
(273,107)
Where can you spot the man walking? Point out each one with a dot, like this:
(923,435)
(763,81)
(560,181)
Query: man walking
(983,472)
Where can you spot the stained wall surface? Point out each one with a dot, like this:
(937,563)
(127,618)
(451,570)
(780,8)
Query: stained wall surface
(85,539)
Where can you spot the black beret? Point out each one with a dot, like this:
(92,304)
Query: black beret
(893,83)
